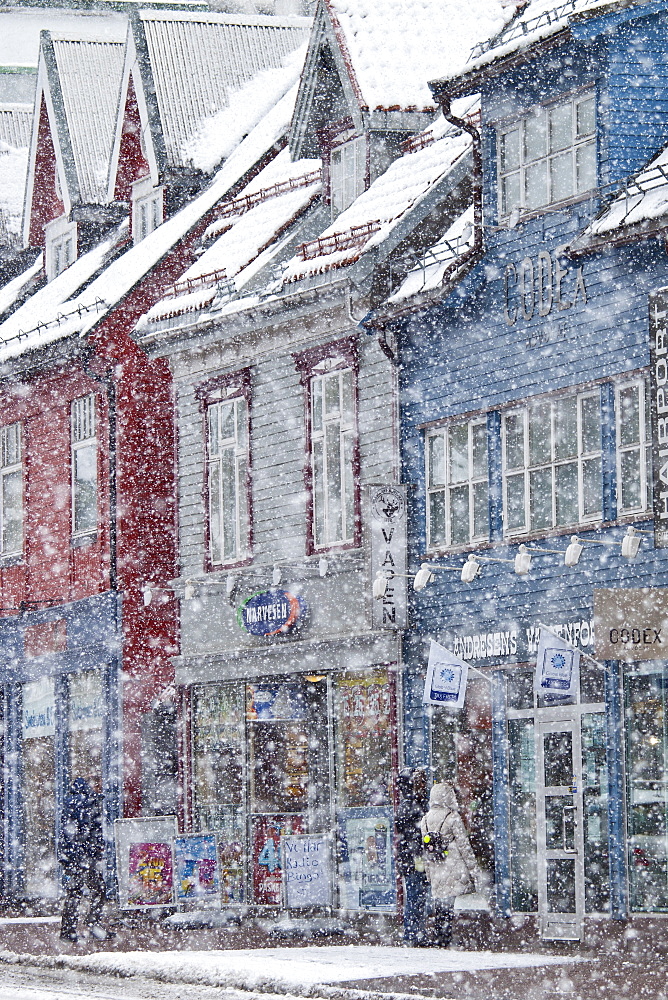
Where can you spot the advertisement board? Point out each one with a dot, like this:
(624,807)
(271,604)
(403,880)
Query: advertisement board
(307,870)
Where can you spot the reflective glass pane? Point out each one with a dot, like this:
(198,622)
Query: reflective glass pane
(347,395)
(347,486)
(510,150)
(85,488)
(514,440)
(566,494)
(535,135)
(540,498)
(559,823)
(436,518)
(535,184)
(334,484)
(215,514)
(561,176)
(515,511)
(510,192)
(561,127)
(317,403)
(435,460)
(332,394)
(479,446)
(590,416)
(459,515)
(585,116)
(628,403)
(595,799)
(229,502)
(481,510)
(558,759)
(539,435)
(458,442)
(592,486)
(630,493)
(12,512)
(561,885)
(565,428)
(227,422)
(319,492)
(522,782)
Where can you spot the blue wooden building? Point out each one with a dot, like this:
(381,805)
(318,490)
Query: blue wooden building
(524,348)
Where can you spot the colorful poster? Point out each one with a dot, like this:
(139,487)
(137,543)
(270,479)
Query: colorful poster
(364,713)
(231,866)
(266,855)
(275,701)
(144,861)
(367,868)
(196,868)
(150,881)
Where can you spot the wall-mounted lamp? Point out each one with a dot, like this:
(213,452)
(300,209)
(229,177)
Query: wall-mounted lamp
(323,566)
(425,574)
(230,584)
(276,576)
(630,544)
(147,594)
(189,591)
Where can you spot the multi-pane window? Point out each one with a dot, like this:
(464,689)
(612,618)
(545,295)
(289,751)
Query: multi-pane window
(347,173)
(332,457)
(457,484)
(61,246)
(552,463)
(11,490)
(548,156)
(227,461)
(634,455)
(84,465)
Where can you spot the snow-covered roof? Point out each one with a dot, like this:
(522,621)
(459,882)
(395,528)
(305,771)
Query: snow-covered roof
(371,218)
(15,124)
(222,133)
(89,73)
(60,309)
(196,60)
(20,29)
(439,260)
(525,25)
(396,46)
(639,209)
(10,292)
(250,225)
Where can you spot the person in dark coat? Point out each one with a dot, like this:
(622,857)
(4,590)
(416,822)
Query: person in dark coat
(81,853)
(412,787)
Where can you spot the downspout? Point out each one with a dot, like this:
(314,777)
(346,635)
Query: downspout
(467,126)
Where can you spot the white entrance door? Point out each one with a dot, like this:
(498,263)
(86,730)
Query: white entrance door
(559,829)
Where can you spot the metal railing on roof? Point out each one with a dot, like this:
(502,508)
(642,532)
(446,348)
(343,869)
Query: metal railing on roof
(346,240)
(519,28)
(79,311)
(199,281)
(244,203)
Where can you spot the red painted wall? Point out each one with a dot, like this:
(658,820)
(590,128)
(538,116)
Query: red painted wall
(132,164)
(46,203)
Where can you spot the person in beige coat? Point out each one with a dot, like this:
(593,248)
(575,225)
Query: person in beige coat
(458,872)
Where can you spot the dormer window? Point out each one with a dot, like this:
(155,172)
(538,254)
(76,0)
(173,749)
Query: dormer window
(147,208)
(549,156)
(347,173)
(61,246)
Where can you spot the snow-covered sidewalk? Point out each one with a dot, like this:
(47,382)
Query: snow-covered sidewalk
(300,969)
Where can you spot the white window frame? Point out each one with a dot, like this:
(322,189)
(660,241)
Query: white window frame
(84,447)
(11,463)
(643,446)
(582,458)
(473,482)
(224,510)
(347,173)
(516,167)
(61,246)
(147,208)
(333,434)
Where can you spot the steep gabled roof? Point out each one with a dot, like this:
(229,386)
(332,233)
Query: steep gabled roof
(15,127)
(437,159)
(16,124)
(78,83)
(190,63)
(383,55)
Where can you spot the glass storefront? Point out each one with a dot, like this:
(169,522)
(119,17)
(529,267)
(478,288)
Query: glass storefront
(647,786)
(85,716)
(39,787)
(297,754)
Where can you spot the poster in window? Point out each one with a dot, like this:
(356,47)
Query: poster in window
(366,859)
(267,870)
(196,868)
(364,718)
(144,861)
(231,867)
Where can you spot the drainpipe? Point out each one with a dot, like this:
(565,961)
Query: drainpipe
(476,139)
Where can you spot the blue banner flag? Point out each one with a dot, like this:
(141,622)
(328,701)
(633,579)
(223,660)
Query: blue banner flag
(557,665)
(445,683)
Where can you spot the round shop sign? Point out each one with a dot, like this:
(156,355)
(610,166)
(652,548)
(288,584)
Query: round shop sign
(272,612)
(388,504)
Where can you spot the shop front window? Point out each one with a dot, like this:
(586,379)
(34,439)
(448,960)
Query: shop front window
(647,780)
(39,784)
(595,812)
(522,781)
(85,713)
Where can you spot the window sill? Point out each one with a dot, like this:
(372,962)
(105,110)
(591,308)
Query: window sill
(553,208)
(83,541)
(16,559)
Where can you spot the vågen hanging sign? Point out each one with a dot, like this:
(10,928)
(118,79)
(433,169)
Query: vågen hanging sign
(271,612)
